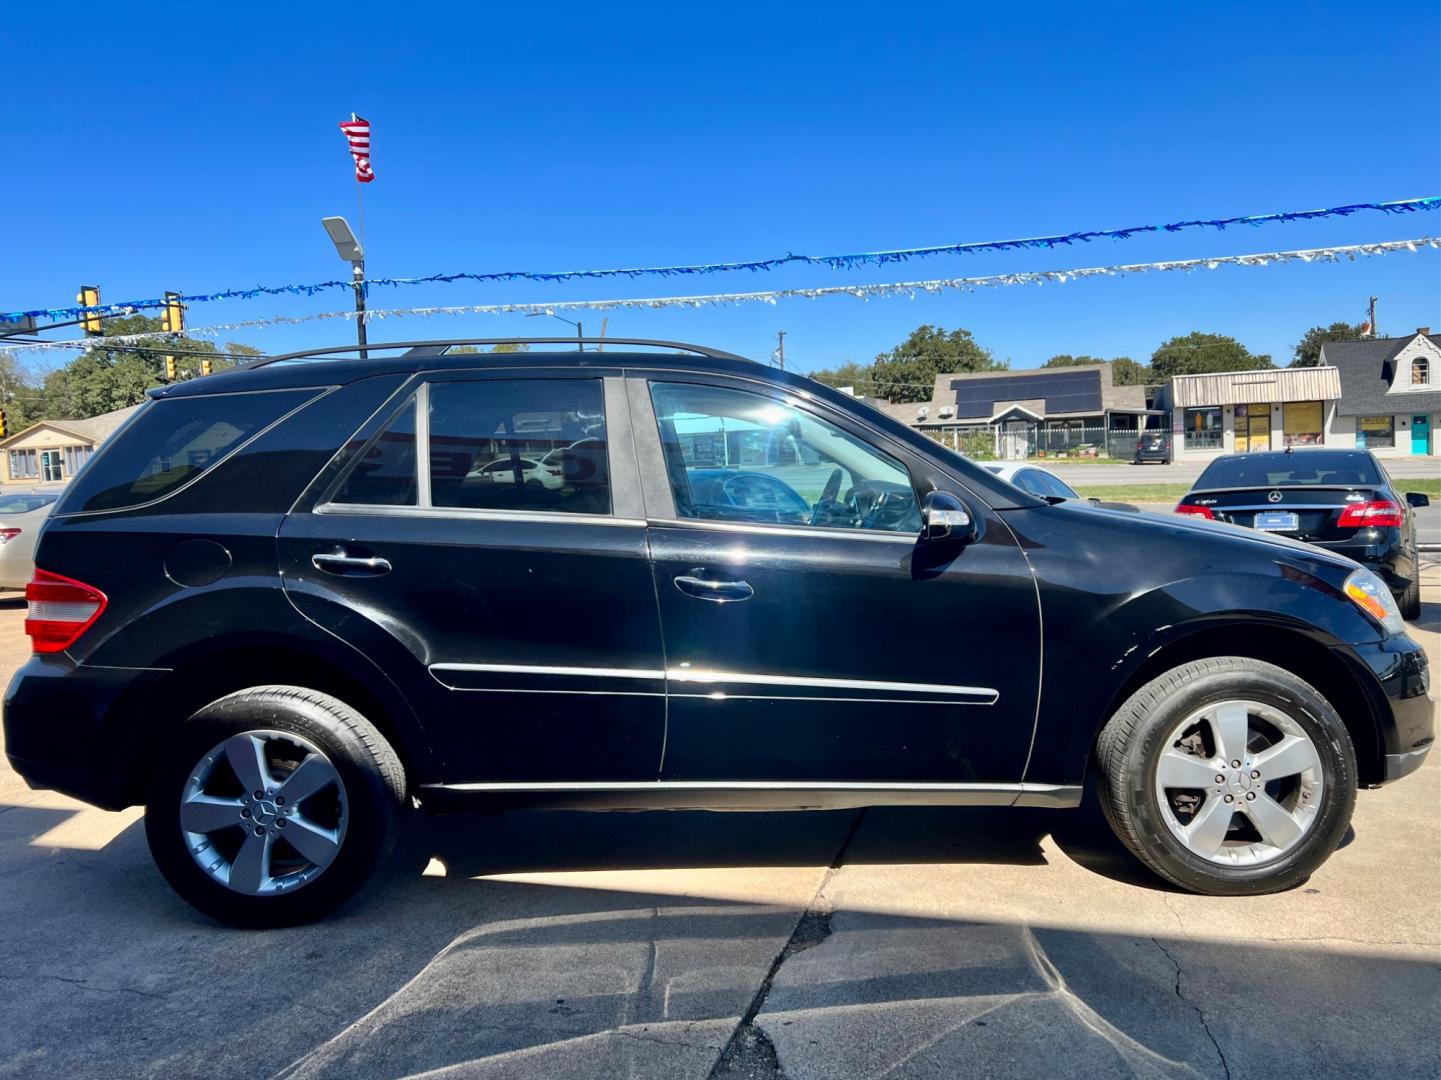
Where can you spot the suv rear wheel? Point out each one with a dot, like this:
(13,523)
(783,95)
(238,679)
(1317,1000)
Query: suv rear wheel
(276,805)
(1228,776)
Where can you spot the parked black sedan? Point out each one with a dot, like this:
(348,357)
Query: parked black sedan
(1341,500)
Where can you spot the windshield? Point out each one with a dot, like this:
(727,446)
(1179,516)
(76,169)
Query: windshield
(1309,468)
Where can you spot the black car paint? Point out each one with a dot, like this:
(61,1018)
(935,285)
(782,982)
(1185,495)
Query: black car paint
(830,606)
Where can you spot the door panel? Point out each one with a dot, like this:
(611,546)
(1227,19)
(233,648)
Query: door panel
(527,639)
(849,661)
(1421,434)
(808,637)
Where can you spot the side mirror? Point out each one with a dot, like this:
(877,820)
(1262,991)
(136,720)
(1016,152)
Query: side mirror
(1417,499)
(945,517)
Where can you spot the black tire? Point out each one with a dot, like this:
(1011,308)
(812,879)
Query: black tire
(373,791)
(1410,599)
(1128,750)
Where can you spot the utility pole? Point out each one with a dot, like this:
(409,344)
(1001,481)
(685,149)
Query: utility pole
(781,348)
(1373,318)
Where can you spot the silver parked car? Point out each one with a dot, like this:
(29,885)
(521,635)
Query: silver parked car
(22,513)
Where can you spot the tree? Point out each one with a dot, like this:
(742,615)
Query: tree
(1067,360)
(1126,372)
(908,372)
(1308,349)
(849,373)
(19,396)
(1198,353)
(503,347)
(108,377)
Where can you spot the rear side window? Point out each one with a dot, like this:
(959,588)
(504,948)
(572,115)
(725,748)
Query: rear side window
(171,443)
(519,444)
(493,444)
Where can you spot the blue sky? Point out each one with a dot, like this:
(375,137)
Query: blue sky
(195,147)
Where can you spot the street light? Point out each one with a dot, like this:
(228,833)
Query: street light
(579,331)
(349,249)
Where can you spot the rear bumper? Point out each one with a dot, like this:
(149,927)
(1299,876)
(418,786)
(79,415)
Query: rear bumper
(56,731)
(1383,551)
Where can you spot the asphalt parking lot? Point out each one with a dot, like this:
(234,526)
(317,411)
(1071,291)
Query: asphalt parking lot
(905,943)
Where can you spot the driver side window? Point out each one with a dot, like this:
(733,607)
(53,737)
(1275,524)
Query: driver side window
(738,456)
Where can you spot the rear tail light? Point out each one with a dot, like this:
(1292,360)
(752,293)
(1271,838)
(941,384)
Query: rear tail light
(6,535)
(1380,513)
(1196,511)
(61,609)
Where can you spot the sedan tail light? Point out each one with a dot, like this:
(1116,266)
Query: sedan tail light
(6,535)
(1380,513)
(61,609)
(1196,511)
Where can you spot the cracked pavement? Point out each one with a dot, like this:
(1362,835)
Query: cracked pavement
(900,942)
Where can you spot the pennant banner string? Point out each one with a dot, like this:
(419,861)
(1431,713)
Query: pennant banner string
(834,262)
(861,292)
(864,292)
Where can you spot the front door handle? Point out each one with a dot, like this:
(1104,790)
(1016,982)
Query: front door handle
(338,562)
(702,587)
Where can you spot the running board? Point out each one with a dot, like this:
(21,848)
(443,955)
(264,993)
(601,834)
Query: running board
(745,794)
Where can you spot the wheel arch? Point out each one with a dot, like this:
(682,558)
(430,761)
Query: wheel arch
(200,675)
(1325,668)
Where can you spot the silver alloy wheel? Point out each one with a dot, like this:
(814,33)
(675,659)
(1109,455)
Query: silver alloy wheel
(264,812)
(1239,783)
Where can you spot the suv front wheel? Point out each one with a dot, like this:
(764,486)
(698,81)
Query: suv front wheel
(1228,776)
(275,805)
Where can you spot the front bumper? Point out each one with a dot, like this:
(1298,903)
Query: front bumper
(1399,765)
(1401,702)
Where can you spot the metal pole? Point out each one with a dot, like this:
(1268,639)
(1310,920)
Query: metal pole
(1373,318)
(358,270)
(579,337)
(781,348)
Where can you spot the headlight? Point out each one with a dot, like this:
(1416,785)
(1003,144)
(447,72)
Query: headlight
(1369,593)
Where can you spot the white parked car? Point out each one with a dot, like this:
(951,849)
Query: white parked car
(1043,482)
(22,513)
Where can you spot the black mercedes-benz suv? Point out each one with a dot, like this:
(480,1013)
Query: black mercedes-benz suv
(286,603)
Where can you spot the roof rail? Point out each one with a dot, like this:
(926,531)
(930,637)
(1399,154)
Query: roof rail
(437,348)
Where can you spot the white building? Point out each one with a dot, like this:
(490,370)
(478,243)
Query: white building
(1390,394)
(1382,394)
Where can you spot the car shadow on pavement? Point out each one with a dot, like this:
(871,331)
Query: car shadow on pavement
(534,841)
(113,977)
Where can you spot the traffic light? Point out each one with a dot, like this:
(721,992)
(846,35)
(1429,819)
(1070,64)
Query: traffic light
(4,424)
(170,369)
(206,366)
(172,318)
(89,296)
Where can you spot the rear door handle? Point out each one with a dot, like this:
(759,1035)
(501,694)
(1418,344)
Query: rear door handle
(338,562)
(702,587)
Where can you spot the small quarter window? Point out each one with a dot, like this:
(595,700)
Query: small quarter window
(385,473)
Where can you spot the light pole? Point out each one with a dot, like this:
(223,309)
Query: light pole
(579,331)
(349,249)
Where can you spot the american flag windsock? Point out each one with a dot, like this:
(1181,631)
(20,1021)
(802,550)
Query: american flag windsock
(357,133)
